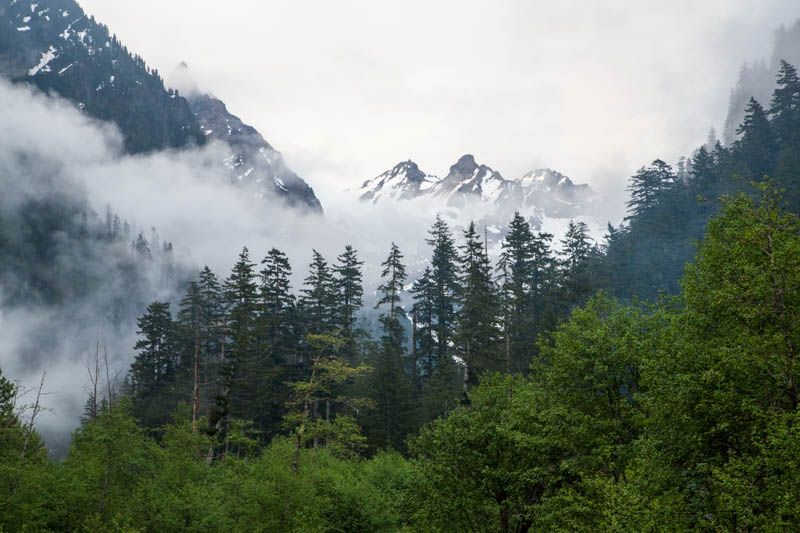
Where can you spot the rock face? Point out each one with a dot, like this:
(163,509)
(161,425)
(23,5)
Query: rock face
(469,184)
(53,45)
(404,182)
(253,162)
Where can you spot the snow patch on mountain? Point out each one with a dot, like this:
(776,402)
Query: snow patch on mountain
(479,186)
(253,163)
(47,56)
(474,192)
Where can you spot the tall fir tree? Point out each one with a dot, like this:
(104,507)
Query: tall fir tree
(702,170)
(155,364)
(278,332)
(785,105)
(576,251)
(647,186)
(278,305)
(154,371)
(519,309)
(349,285)
(756,146)
(319,297)
(237,376)
(476,332)
(424,342)
(391,387)
(444,268)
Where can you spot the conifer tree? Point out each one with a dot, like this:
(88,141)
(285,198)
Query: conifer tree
(444,268)
(240,292)
(237,382)
(155,364)
(476,332)
(424,292)
(756,146)
(279,345)
(647,186)
(391,388)
(154,371)
(188,331)
(702,169)
(785,104)
(277,302)
(576,250)
(211,312)
(142,247)
(543,265)
(349,284)
(518,294)
(319,297)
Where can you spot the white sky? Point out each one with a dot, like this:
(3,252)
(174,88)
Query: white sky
(346,89)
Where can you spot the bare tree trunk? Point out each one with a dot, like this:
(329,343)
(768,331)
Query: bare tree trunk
(93,359)
(196,398)
(466,371)
(508,351)
(414,354)
(37,407)
(220,423)
(298,442)
(109,390)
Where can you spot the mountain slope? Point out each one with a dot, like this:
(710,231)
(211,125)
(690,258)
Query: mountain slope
(54,45)
(253,163)
(403,182)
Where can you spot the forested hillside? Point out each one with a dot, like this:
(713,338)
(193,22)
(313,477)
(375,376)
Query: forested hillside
(681,416)
(567,386)
(56,46)
(669,207)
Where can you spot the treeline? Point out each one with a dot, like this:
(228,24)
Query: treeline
(669,208)
(236,347)
(56,251)
(248,334)
(679,416)
(504,397)
(97,72)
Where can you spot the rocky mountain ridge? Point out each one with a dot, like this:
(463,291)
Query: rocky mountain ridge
(468,184)
(55,46)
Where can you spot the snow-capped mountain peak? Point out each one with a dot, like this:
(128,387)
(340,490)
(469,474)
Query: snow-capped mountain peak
(403,182)
(469,183)
(253,163)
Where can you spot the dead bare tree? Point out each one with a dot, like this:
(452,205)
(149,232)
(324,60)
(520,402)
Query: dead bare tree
(91,361)
(109,390)
(96,361)
(36,408)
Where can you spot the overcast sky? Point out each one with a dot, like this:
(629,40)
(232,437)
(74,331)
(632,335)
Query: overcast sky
(346,89)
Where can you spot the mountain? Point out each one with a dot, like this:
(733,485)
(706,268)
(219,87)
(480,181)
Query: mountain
(403,182)
(253,162)
(757,79)
(544,191)
(55,46)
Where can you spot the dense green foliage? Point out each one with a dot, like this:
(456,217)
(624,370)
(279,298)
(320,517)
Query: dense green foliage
(536,394)
(669,209)
(681,416)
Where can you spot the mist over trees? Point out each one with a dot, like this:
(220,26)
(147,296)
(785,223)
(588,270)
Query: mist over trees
(646,382)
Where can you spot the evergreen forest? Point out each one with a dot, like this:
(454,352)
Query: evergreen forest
(646,382)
